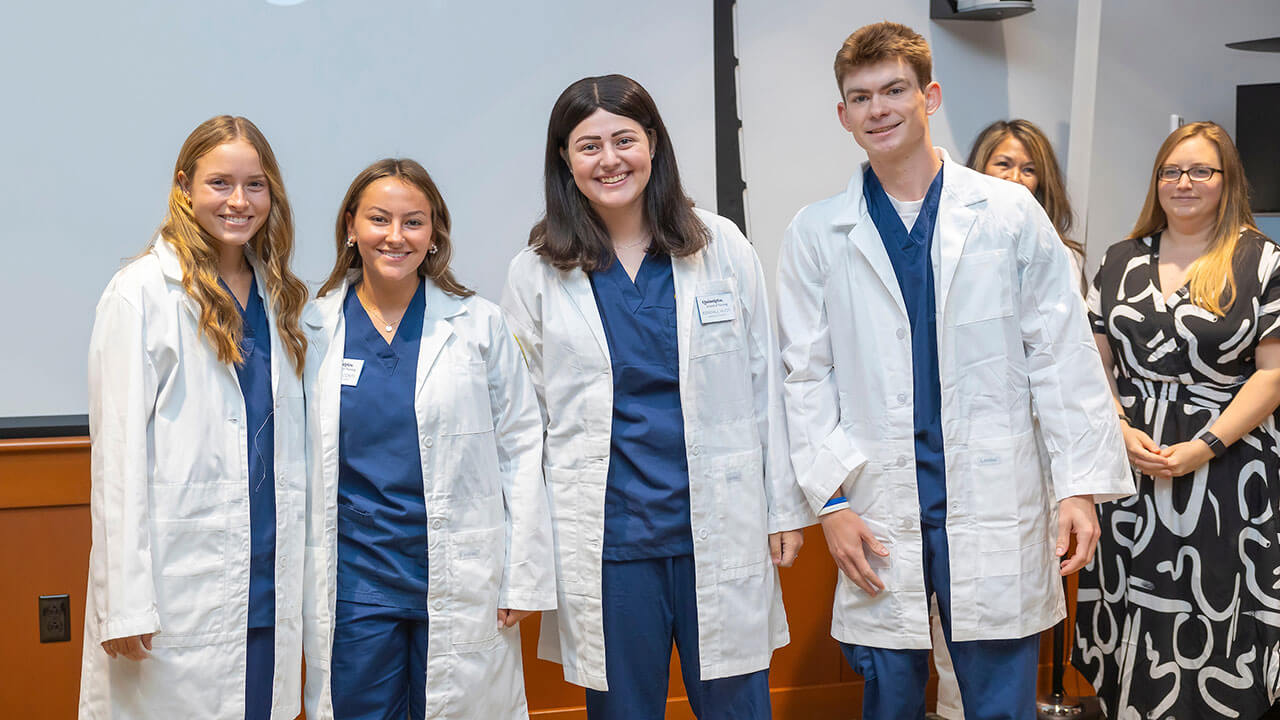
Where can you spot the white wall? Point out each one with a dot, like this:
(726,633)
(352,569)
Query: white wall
(1160,57)
(100,96)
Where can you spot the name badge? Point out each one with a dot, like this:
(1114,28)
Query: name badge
(351,368)
(715,308)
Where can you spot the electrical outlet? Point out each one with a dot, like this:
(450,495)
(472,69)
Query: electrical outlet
(55,618)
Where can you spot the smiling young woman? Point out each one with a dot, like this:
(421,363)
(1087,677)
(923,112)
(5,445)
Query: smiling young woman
(429,537)
(195,417)
(646,325)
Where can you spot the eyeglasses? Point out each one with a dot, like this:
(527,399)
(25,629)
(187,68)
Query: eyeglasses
(1198,173)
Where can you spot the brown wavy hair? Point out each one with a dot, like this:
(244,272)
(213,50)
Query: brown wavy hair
(571,234)
(436,265)
(1210,279)
(1051,191)
(197,250)
(886,40)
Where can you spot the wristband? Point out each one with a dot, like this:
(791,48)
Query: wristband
(834,505)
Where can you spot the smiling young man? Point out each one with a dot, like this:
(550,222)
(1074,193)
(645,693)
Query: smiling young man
(926,313)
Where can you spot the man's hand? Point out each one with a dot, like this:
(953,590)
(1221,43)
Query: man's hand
(1077,517)
(846,533)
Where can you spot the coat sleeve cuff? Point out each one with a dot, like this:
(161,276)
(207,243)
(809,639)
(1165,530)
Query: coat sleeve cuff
(527,600)
(801,518)
(837,461)
(130,625)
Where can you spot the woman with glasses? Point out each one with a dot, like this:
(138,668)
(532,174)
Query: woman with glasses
(1179,613)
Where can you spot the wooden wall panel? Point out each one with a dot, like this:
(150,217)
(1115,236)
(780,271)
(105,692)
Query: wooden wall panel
(44,548)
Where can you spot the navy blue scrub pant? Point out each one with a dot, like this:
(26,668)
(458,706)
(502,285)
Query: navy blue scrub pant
(379,662)
(260,670)
(648,604)
(997,677)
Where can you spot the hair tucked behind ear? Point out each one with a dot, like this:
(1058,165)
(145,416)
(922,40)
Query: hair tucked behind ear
(197,250)
(436,264)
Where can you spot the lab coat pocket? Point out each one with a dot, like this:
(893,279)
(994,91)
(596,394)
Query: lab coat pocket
(984,288)
(995,492)
(744,529)
(469,410)
(476,558)
(566,521)
(190,572)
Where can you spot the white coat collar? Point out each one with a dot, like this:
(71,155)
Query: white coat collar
(437,325)
(578,285)
(955,218)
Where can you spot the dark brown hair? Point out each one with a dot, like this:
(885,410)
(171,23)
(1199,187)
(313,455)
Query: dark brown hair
(435,265)
(870,44)
(570,234)
(1051,191)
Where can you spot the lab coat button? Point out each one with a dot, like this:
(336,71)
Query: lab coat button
(696,450)
(702,534)
(439,604)
(437,524)
(902,398)
(901,333)
(902,461)
(427,442)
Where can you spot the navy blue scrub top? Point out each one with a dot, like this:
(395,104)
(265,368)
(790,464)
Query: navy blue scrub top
(912,265)
(646,504)
(382,513)
(260,431)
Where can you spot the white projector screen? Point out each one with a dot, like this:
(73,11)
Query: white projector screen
(101,95)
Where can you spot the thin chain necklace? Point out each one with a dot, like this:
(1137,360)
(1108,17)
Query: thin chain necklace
(630,245)
(368,305)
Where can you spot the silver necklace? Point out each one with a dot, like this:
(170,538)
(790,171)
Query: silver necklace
(386,326)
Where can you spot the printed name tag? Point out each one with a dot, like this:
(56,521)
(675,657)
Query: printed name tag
(715,308)
(351,368)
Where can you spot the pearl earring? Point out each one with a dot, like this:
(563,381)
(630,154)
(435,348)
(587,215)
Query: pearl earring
(351,241)
(434,249)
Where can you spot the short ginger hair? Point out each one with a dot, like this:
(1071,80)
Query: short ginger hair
(886,40)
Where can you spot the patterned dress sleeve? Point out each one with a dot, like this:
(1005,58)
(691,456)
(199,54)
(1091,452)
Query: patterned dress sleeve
(1269,297)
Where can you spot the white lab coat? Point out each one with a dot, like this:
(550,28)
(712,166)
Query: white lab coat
(741,487)
(170,507)
(1012,338)
(489,530)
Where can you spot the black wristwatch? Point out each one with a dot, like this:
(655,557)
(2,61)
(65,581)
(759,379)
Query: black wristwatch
(1213,442)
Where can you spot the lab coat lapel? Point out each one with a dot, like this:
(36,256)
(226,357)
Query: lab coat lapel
(956,218)
(437,328)
(866,240)
(578,286)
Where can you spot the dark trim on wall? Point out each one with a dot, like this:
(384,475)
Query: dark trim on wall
(38,426)
(730,186)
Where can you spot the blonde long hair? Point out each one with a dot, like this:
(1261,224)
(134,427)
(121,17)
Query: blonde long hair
(436,264)
(197,250)
(1210,279)
(1051,191)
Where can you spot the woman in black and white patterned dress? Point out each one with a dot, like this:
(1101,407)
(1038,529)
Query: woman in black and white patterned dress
(1179,612)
